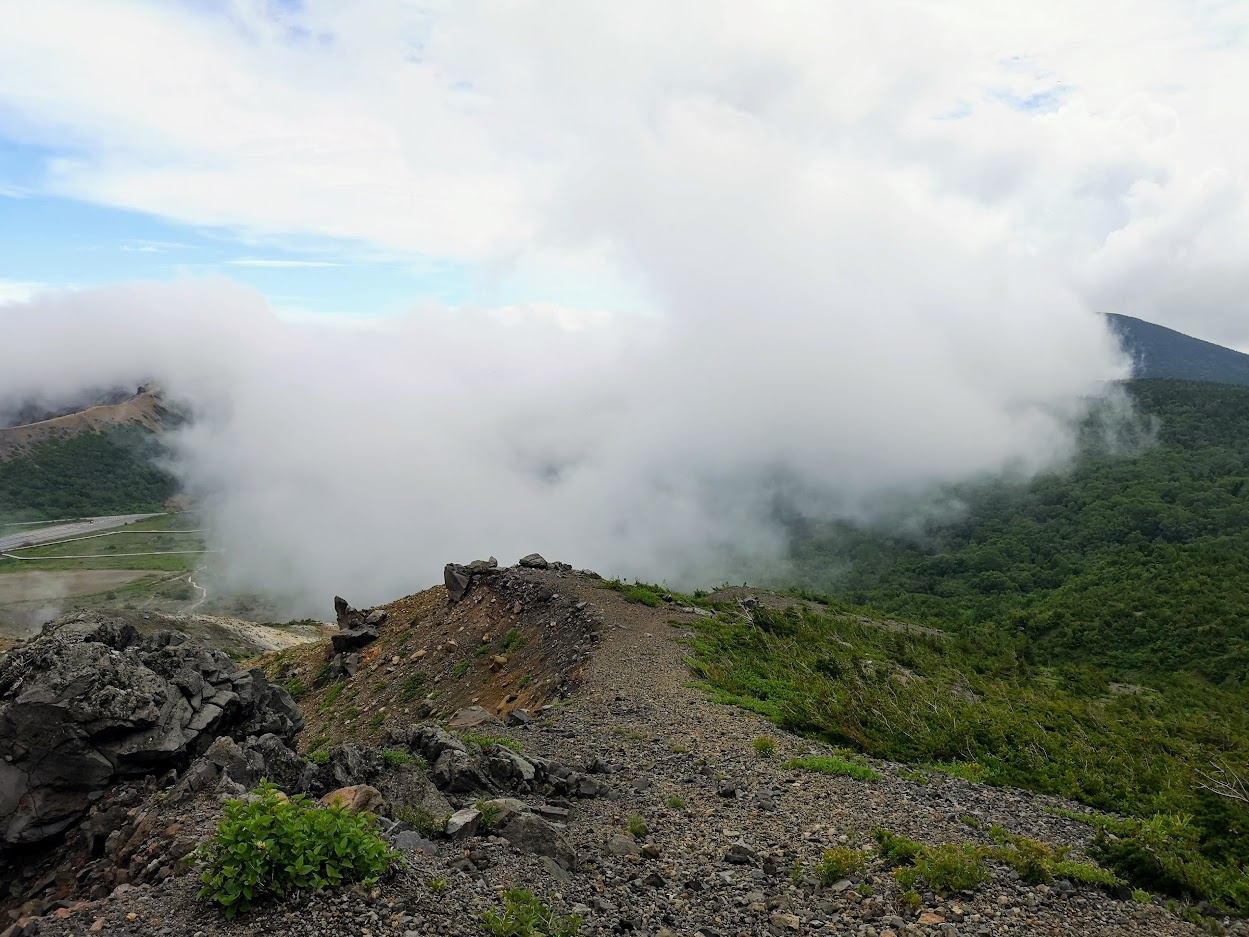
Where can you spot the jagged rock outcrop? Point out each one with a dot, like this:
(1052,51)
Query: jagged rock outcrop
(80,712)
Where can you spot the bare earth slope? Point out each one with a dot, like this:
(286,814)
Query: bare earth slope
(145,409)
(725,829)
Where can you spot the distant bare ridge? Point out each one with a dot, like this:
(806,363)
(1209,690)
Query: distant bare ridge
(145,408)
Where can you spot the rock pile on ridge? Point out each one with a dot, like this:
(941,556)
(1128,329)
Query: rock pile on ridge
(81,711)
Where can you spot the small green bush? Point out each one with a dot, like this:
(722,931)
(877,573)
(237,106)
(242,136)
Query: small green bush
(412,686)
(460,669)
(834,764)
(676,803)
(486,741)
(319,756)
(423,820)
(1140,896)
(896,849)
(950,868)
(512,640)
(489,813)
(764,747)
(838,863)
(396,758)
(637,826)
(439,886)
(525,915)
(295,687)
(273,845)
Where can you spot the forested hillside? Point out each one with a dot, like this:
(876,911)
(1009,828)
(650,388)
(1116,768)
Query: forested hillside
(112,472)
(1137,561)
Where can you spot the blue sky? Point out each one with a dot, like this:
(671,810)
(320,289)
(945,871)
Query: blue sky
(56,241)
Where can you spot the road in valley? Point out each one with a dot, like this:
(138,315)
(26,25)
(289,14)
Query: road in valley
(16,540)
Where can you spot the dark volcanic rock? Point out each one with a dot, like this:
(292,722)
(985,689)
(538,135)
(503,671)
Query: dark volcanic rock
(353,639)
(534,561)
(81,711)
(457,579)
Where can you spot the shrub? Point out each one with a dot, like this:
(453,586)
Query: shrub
(295,687)
(274,845)
(485,741)
(764,747)
(460,669)
(512,640)
(838,863)
(896,849)
(319,756)
(439,886)
(834,764)
(525,915)
(951,868)
(676,803)
(412,686)
(395,758)
(637,826)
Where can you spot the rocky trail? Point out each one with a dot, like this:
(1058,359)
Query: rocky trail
(622,795)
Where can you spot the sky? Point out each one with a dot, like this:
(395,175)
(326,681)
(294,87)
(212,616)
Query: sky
(354,159)
(609,281)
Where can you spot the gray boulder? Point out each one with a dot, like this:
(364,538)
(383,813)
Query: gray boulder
(457,579)
(534,561)
(353,639)
(529,833)
(80,711)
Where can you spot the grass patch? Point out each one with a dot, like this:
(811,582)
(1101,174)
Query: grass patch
(460,669)
(834,764)
(764,747)
(638,593)
(637,826)
(486,741)
(676,803)
(512,640)
(524,914)
(412,686)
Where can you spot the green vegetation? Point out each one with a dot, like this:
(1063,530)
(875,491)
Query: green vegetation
(422,819)
(636,826)
(676,803)
(412,686)
(319,756)
(838,863)
(764,747)
(114,472)
(525,915)
(438,886)
(946,869)
(637,592)
(273,846)
(331,696)
(486,741)
(834,764)
(512,640)
(460,669)
(295,687)
(490,813)
(396,758)
(1039,864)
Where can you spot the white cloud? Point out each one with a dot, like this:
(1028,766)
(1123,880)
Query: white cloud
(1104,141)
(269,262)
(14,291)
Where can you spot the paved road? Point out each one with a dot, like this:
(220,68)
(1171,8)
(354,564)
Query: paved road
(31,538)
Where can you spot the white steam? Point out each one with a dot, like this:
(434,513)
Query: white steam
(360,458)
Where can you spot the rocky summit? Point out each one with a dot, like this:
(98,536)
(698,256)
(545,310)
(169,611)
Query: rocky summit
(525,726)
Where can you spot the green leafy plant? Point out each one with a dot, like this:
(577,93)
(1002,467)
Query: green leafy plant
(834,764)
(512,640)
(524,914)
(331,696)
(319,756)
(838,863)
(490,813)
(439,886)
(637,826)
(272,845)
(946,869)
(764,747)
(295,687)
(460,669)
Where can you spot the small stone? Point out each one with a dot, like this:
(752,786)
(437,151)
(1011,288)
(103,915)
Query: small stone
(463,823)
(930,917)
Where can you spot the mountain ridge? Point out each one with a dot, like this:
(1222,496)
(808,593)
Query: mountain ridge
(1160,352)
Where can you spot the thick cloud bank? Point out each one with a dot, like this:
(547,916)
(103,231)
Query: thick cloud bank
(359,458)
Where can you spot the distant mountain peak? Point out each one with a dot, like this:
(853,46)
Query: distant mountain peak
(1159,352)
